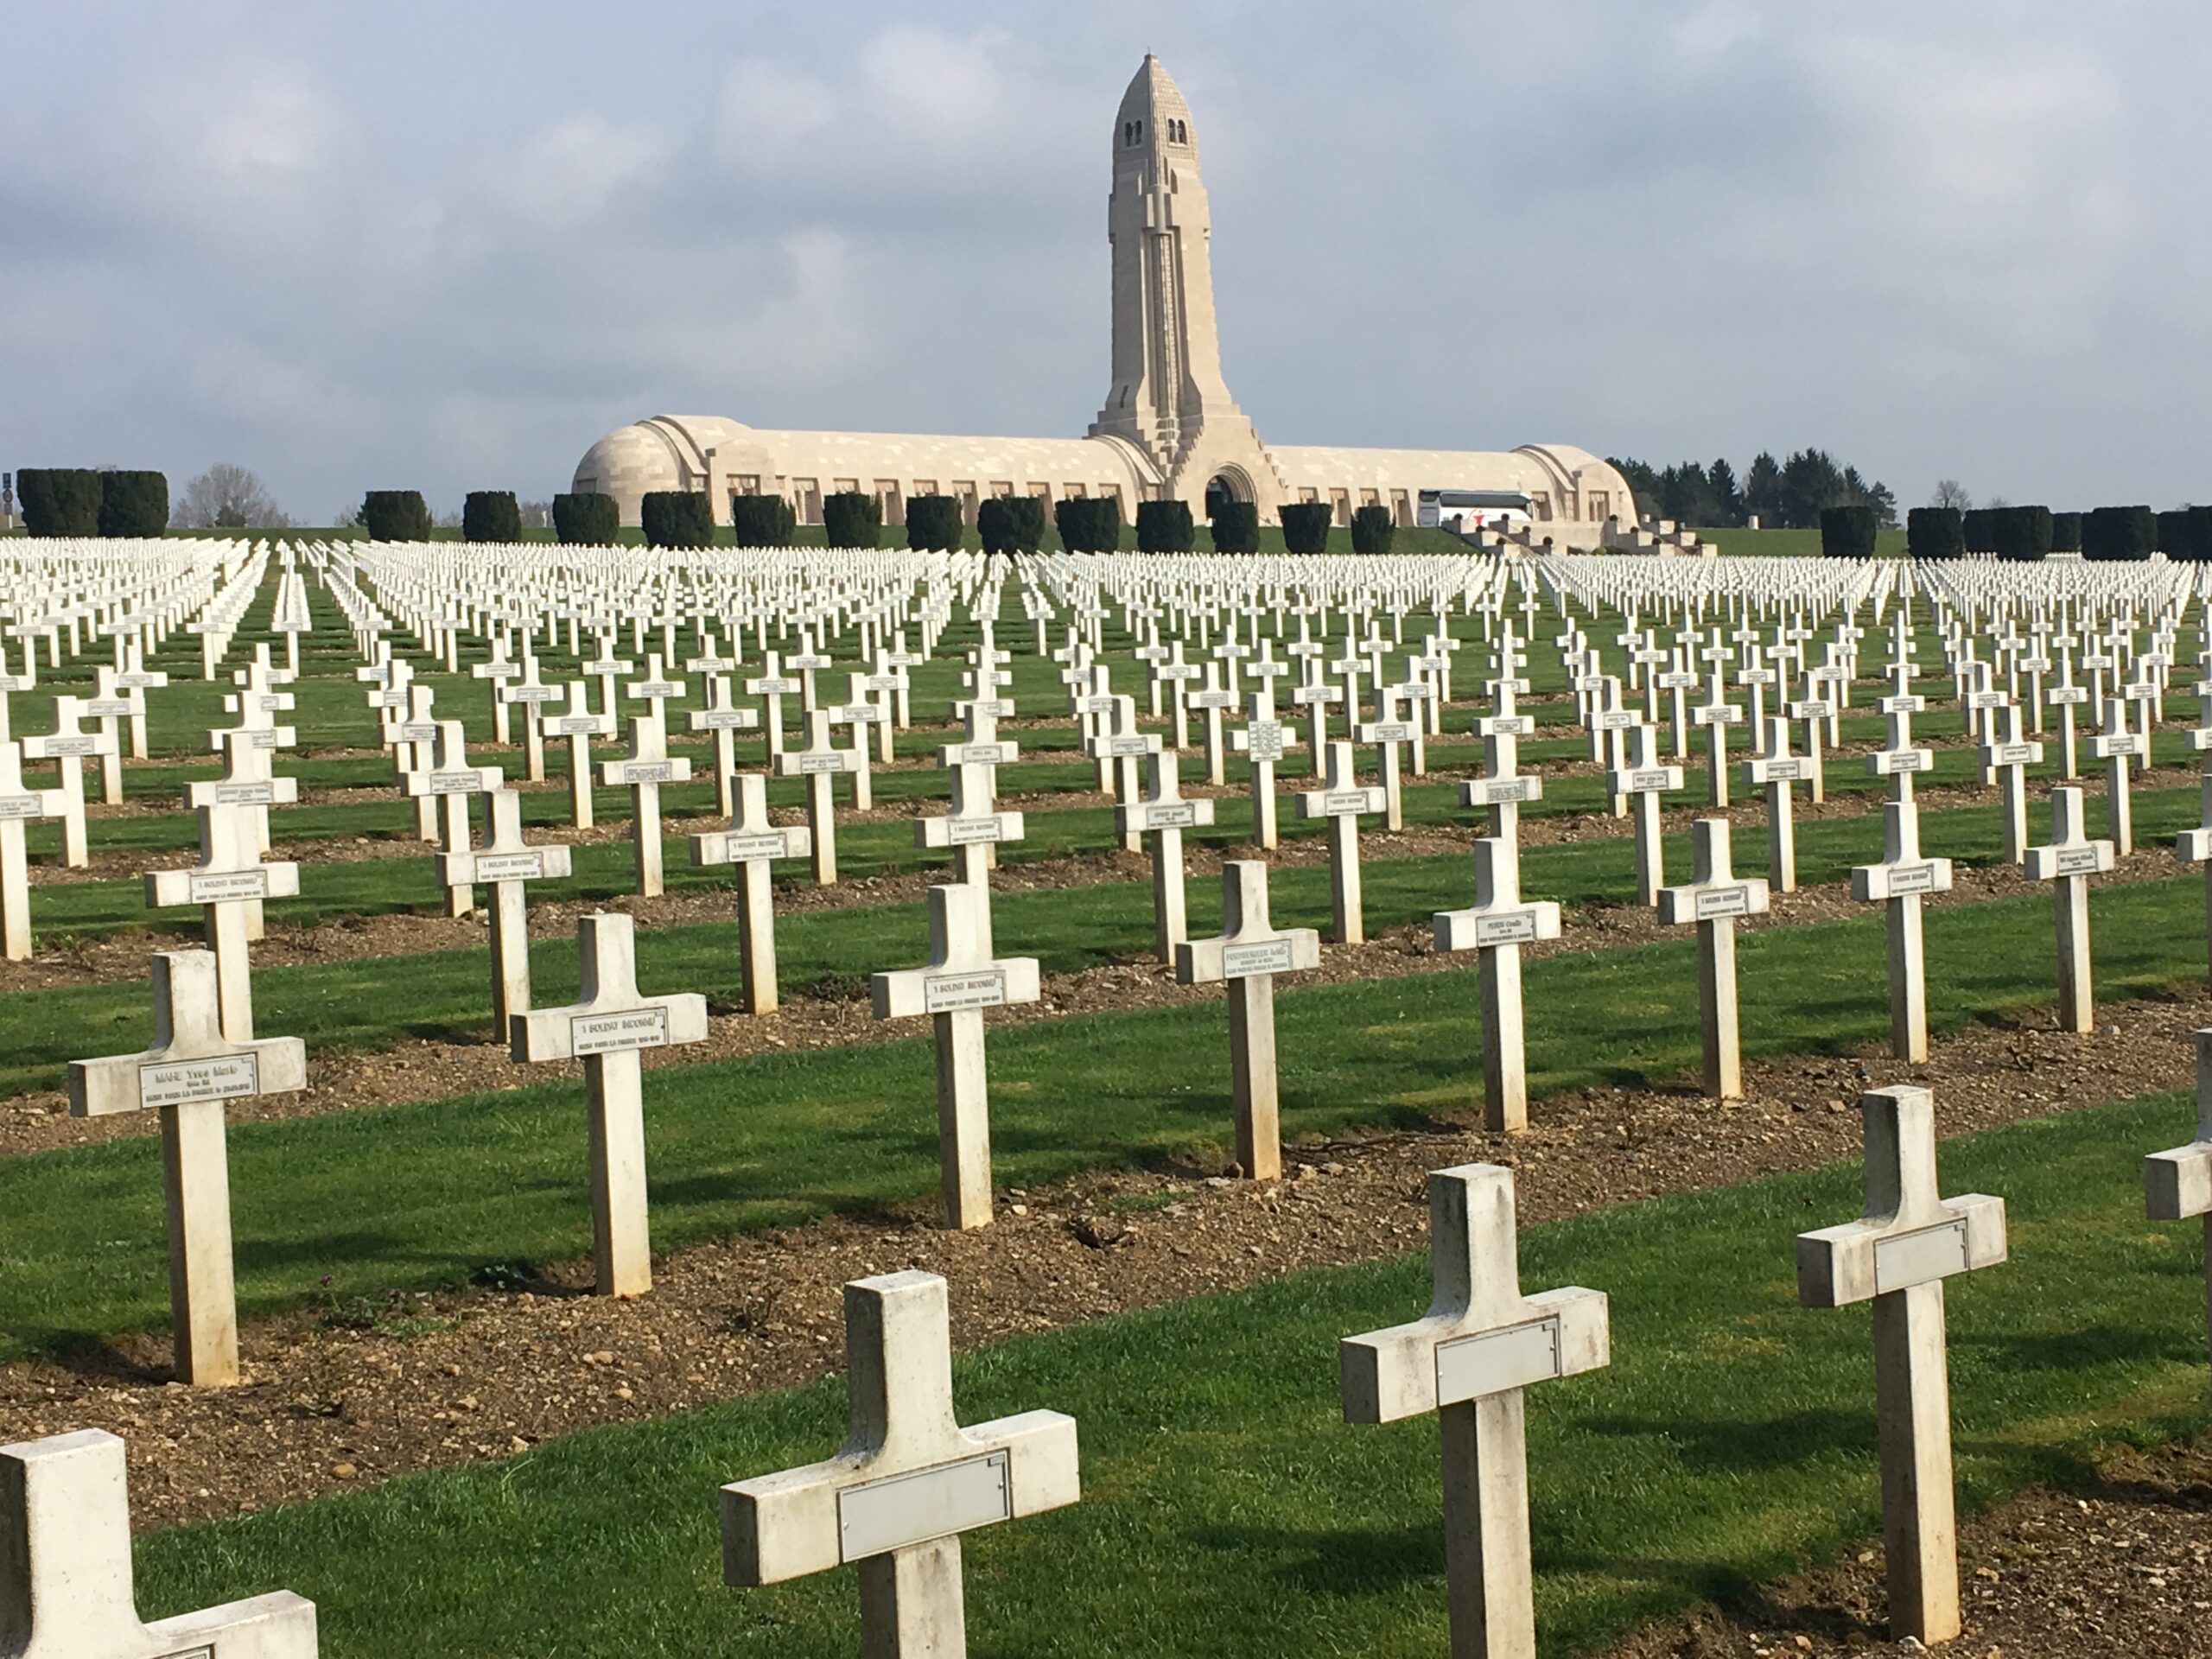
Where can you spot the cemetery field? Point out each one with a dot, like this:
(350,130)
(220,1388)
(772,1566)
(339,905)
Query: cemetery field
(1228,1511)
(1045,1030)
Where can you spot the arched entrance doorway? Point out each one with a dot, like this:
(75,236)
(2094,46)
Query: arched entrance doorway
(1224,487)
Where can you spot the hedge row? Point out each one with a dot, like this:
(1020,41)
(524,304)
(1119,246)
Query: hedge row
(762,521)
(491,516)
(1847,532)
(1089,524)
(1011,523)
(395,516)
(677,518)
(586,519)
(79,501)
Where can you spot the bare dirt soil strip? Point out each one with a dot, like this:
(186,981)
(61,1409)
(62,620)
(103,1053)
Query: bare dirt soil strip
(837,1014)
(415,1380)
(2117,1567)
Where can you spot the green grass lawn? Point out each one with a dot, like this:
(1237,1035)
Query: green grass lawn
(430,1192)
(1227,1510)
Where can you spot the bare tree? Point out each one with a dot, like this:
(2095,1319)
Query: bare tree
(228,497)
(1949,493)
(537,515)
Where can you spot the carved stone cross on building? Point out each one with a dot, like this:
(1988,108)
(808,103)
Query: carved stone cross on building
(65,1589)
(607,1027)
(1470,1361)
(961,980)
(190,1072)
(751,843)
(1249,951)
(1896,1255)
(908,1481)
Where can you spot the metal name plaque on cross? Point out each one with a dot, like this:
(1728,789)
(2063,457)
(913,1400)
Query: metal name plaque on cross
(510,867)
(21,806)
(1723,902)
(963,832)
(930,1503)
(608,1033)
(1906,759)
(1652,778)
(722,720)
(2077,861)
(1498,792)
(191,1653)
(955,993)
(1336,802)
(224,885)
(65,745)
(647,772)
(264,737)
(1181,816)
(1249,961)
(813,763)
(245,794)
(1516,927)
(457,783)
(980,754)
(1916,1258)
(1264,740)
(745,849)
(178,1082)
(1911,877)
(1493,1361)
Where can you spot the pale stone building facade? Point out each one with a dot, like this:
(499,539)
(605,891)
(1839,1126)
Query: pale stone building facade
(1169,428)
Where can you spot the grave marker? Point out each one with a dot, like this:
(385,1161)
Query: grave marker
(1896,1256)
(908,1481)
(2067,863)
(1714,899)
(1497,927)
(2177,1184)
(751,843)
(190,1072)
(1341,800)
(1900,881)
(607,1027)
(1162,813)
(18,804)
(1470,1360)
(645,769)
(505,863)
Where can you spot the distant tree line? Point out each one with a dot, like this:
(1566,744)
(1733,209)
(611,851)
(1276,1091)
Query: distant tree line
(1788,494)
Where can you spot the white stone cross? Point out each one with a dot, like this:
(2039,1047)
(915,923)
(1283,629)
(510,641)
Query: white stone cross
(1896,1256)
(2067,863)
(2008,755)
(1163,813)
(657,689)
(1213,700)
(1387,730)
(1502,786)
(2115,745)
(723,719)
(859,711)
(751,843)
(962,979)
(2177,1184)
(68,744)
(1246,954)
(1716,713)
(505,863)
(66,1588)
(1174,672)
(190,1072)
(973,826)
(807,660)
(1714,899)
(1263,740)
(908,1481)
(134,679)
(1900,881)
(1642,780)
(17,805)
(645,769)
(451,780)
(1815,712)
(413,738)
(2066,696)
(228,883)
(111,708)
(773,685)
(495,671)
(1499,924)
(819,763)
(1776,770)
(1470,1361)
(1116,743)
(1341,799)
(532,693)
(606,1028)
(607,668)
(1898,760)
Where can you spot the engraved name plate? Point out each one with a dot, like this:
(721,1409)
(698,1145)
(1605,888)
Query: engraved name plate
(740,849)
(952,993)
(606,1033)
(1911,877)
(961,832)
(1914,1258)
(887,1515)
(647,772)
(1516,927)
(221,885)
(510,867)
(1247,961)
(20,806)
(1723,902)
(1494,1361)
(174,1083)
(1180,817)
(1336,802)
(816,763)
(2077,861)
(456,783)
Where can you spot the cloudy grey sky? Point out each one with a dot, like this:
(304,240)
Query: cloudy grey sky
(447,245)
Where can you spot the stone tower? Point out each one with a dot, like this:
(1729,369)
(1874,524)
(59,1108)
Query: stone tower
(1169,398)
